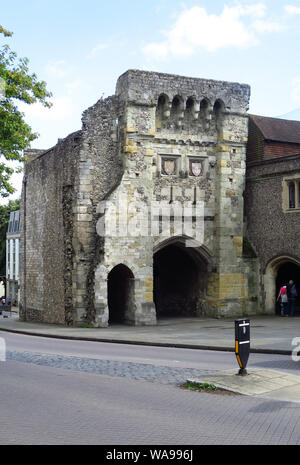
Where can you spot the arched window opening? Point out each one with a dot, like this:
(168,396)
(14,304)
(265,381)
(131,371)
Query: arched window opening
(161,101)
(218,111)
(175,105)
(218,108)
(177,111)
(204,113)
(162,110)
(292,202)
(190,104)
(191,110)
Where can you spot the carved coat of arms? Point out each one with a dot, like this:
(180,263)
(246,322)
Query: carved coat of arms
(196,168)
(169,166)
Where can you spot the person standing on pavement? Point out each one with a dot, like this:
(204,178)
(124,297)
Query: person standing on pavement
(292,294)
(283,300)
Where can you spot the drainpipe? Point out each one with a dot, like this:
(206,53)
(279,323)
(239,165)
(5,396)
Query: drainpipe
(24,256)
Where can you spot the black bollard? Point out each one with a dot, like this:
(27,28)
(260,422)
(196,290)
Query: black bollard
(242,344)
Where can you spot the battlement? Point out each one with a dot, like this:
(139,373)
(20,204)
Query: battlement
(145,87)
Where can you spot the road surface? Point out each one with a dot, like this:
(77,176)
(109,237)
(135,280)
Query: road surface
(74,392)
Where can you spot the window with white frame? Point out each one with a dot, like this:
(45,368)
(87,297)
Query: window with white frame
(291,194)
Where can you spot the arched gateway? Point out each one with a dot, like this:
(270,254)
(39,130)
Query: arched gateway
(278,272)
(120,294)
(179,278)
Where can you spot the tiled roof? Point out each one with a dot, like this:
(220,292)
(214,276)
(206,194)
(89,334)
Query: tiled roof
(277,129)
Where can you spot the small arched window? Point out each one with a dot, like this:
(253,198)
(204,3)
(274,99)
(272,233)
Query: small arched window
(204,113)
(162,110)
(191,110)
(204,109)
(161,102)
(177,113)
(219,108)
(218,112)
(292,197)
(190,104)
(291,194)
(176,106)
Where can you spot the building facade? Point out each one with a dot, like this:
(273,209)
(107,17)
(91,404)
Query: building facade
(12,257)
(141,212)
(272,204)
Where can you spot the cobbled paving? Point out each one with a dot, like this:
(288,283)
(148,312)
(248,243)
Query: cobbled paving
(139,371)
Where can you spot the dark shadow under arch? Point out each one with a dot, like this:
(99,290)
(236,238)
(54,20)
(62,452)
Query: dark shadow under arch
(120,289)
(180,278)
(288,271)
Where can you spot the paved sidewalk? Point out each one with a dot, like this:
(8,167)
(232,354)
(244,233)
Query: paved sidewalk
(258,383)
(269,334)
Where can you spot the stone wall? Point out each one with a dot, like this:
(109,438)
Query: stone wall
(183,120)
(272,229)
(101,168)
(46,255)
(161,139)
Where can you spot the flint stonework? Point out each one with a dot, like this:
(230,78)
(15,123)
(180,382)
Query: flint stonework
(161,138)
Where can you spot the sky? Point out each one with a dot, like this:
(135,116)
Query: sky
(80,48)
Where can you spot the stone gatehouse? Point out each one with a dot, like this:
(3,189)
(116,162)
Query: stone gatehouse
(140,214)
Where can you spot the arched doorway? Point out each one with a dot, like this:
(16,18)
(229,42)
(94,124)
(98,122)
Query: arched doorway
(120,290)
(180,278)
(288,271)
(278,272)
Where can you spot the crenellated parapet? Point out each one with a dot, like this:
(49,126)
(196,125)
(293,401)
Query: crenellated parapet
(199,116)
(183,105)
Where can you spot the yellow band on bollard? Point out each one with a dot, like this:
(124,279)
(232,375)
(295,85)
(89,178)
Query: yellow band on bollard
(236,347)
(239,361)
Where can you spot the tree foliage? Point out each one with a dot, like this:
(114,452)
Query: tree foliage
(4,220)
(17,85)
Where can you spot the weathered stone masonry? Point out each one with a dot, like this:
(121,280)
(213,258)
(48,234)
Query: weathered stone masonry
(47,266)
(160,138)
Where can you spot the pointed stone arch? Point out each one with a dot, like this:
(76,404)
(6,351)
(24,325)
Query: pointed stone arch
(162,110)
(218,115)
(205,112)
(191,110)
(121,295)
(177,111)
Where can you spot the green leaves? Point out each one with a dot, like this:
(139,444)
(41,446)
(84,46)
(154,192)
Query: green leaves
(20,86)
(5,32)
